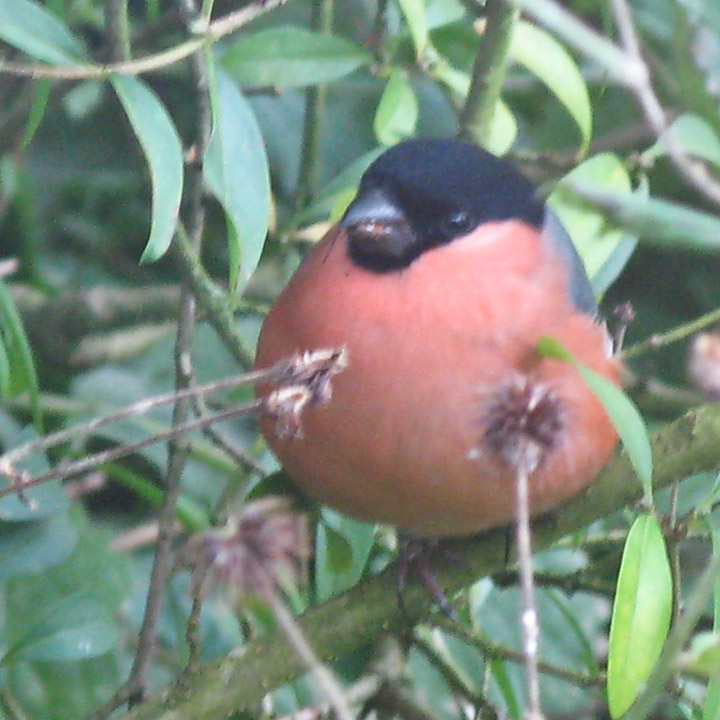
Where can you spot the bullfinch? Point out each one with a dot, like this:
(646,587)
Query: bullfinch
(439,281)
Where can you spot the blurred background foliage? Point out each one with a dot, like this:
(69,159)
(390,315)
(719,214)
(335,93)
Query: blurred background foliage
(304,99)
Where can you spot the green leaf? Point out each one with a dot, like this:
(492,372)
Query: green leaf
(622,412)
(236,172)
(60,691)
(660,222)
(343,548)
(336,190)
(41,96)
(503,130)
(594,239)
(4,372)
(79,600)
(703,657)
(397,113)
(416,18)
(695,135)
(292,57)
(31,28)
(160,143)
(335,549)
(501,676)
(70,628)
(548,60)
(641,613)
(23,376)
(34,546)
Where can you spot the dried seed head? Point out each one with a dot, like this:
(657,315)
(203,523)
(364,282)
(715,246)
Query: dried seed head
(704,362)
(260,550)
(305,384)
(523,423)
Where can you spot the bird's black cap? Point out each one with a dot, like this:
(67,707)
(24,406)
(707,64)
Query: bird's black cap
(423,193)
(428,192)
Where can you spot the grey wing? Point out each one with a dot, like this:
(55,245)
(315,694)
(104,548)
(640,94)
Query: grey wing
(580,288)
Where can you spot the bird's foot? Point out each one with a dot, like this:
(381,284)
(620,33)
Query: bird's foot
(415,556)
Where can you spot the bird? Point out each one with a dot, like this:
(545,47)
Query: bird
(439,281)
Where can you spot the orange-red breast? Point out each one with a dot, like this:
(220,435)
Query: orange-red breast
(440,279)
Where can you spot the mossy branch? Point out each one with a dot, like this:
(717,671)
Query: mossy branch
(219,688)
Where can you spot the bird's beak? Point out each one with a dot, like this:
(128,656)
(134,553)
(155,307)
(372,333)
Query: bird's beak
(377,227)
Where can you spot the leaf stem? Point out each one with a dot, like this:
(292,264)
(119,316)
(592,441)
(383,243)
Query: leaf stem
(678,333)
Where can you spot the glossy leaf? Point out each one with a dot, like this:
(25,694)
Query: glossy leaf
(416,18)
(71,628)
(35,545)
(641,613)
(236,171)
(60,691)
(160,143)
(594,238)
(40,33)
(548,60)
(397,113)
(660,222)
(695,135)
(622,412)
(343,549)
(292,57)
(23,376)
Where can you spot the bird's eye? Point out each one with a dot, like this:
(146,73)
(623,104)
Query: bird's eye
(457,221)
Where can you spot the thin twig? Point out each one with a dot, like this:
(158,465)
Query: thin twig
(325,679)
(677,333)
(449,674)
(193,636)
(218,437)
(157,61)
(488,73)
(117,30)
(211,298)
(500,652)
(569,583)
(306,383)
(193,212)
(231,684)
(626,66)
(694,171)
(12,457)
(528,618)
(105,456)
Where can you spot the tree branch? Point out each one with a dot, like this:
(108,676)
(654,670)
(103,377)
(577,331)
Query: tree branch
(488,72)
(685,447)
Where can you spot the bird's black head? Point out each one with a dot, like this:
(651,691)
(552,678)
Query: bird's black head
(423,193)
